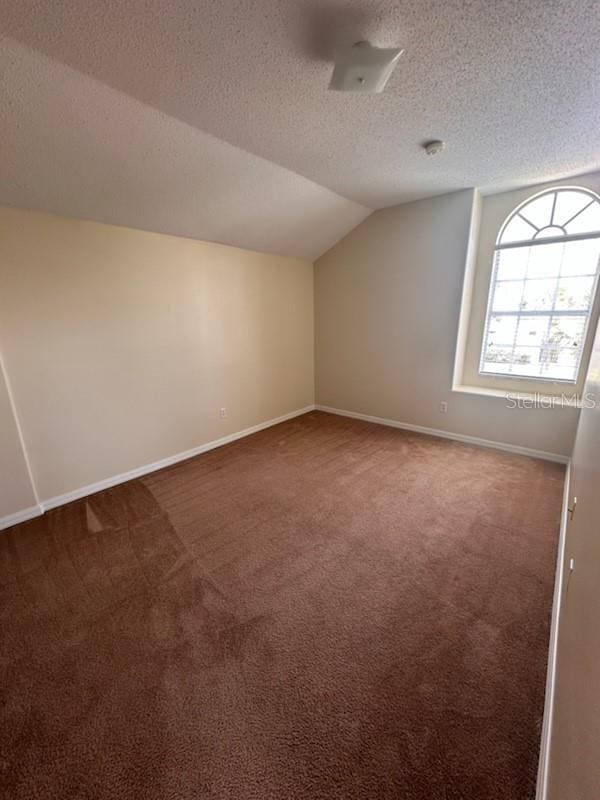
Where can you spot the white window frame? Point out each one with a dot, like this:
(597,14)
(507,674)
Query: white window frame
(532,242)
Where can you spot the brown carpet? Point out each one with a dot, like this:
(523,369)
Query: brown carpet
(327,609)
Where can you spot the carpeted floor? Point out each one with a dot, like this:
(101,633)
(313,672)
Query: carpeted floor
(327,609)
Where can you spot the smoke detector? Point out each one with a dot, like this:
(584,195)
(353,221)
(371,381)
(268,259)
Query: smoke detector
(364,68)
(434,147)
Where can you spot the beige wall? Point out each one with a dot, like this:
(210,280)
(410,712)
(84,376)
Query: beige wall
(121,346)
(575,745)
(387,302)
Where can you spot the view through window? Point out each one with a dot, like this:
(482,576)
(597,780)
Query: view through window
(543,286)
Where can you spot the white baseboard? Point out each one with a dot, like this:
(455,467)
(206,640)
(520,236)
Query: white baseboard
(92,488)
(459,437)
(544,761)
(20,516)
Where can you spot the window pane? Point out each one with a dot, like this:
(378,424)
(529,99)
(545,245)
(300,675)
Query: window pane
(567,331)
(495,369)
(586,222)
(539,211)
(517,230)
(512,264)
(568,203)
(497,359)
(532,331)
(526,361)
(561,372)
(568,357)
(507,296)
(560,358)
(545,260)
(502,331)
(575,293)
(538,295)
(551,231)
(580,258)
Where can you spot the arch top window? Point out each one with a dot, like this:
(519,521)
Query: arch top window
(557,213)
(543,287)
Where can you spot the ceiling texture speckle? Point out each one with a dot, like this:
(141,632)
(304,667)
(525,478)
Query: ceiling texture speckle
(512,87)
(74,146)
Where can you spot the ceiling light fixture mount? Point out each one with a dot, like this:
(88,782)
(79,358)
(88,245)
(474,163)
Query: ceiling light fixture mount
(434,147)
(364,68)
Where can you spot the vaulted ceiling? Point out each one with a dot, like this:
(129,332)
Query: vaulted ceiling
(74,146)
(213,119)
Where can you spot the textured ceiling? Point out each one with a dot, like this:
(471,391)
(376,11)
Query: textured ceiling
(511,85)
(74,146)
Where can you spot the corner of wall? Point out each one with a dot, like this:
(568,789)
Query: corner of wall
(22,484)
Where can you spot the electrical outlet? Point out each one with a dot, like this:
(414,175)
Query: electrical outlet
(443,407)
(223,413)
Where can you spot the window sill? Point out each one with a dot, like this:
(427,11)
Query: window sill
(540,400)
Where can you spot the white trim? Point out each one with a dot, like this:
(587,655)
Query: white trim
(544,761)
(20,516)
(459,437)
(76,494)
(542,399)
(13,408)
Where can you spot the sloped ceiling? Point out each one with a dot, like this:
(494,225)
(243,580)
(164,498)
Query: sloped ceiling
(511,85)
(76,147)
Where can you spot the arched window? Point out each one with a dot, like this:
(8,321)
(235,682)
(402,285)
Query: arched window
(543,287)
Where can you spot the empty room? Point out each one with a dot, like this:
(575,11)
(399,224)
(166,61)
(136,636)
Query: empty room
(299,400)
